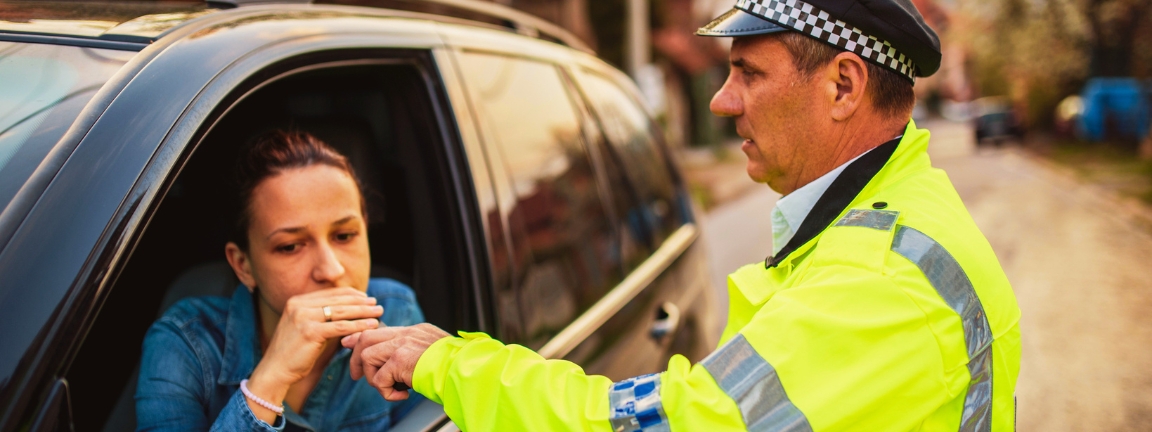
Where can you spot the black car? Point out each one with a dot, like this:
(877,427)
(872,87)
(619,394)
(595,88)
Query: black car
(994,121)
(514,180)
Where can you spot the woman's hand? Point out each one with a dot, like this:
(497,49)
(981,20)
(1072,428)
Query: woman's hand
(300,338)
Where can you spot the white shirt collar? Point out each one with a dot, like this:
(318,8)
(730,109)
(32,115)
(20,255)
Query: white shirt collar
(792,209)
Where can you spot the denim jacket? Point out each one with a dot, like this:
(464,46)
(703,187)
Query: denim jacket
(197,353)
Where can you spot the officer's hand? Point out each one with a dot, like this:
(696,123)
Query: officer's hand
(388,355)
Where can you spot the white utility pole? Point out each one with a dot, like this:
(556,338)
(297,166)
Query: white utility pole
(638,51)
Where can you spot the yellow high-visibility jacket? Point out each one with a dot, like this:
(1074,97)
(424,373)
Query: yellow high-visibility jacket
(890,319)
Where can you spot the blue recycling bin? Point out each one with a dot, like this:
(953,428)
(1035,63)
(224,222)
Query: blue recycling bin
(1115,108)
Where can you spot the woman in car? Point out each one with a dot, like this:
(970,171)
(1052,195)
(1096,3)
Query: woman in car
(270,358)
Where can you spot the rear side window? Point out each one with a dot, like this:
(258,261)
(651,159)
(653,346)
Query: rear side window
(565,254)
(633,147)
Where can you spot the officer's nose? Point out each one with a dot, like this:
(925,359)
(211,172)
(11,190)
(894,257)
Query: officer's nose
(726,103)
(327,269)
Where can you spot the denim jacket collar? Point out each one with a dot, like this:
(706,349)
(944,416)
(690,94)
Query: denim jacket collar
(241,345)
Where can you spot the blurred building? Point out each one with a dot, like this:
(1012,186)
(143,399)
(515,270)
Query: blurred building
(653,41)
(948,90)
(679,72)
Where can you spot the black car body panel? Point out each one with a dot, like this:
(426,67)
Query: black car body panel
(74,224)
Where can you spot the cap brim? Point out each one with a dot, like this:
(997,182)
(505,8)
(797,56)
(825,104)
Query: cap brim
(736,22)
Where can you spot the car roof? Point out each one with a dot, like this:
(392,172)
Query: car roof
(145,22)
(135,22)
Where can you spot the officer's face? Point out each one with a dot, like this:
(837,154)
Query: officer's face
(776,110)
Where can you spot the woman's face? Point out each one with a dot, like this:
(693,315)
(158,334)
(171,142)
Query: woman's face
(306,233)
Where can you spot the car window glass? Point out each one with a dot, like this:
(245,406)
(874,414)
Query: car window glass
(43,89)
(565,253)
(633,234)
(633,146)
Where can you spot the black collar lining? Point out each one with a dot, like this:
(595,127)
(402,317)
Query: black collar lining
(838,196)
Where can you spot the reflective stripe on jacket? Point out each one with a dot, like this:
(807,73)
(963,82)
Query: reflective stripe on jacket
(897,318)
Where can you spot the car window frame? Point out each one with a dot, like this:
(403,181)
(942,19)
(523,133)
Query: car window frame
(131,222)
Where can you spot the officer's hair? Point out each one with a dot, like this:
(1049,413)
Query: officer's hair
(891,93)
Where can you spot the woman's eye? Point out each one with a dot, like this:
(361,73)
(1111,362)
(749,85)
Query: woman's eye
(345,236)
(288,248)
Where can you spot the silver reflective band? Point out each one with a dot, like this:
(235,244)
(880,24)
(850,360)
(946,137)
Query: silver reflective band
(750,381)
(948,278)
(635,404)
(877,219)
(814,22)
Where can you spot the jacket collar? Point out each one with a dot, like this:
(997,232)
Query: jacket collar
(241,345)
(870,173)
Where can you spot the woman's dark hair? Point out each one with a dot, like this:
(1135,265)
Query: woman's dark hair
(270,154)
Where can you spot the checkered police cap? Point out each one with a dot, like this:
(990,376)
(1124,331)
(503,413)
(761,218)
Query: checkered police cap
(890,33)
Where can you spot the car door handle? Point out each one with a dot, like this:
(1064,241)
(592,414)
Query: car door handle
(667,321)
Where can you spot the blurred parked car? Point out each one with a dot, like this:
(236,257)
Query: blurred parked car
(514,181)
(1116,108)
(994,121)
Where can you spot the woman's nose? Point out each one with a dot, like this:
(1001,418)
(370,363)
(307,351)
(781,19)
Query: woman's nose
(328,267)
(726,103)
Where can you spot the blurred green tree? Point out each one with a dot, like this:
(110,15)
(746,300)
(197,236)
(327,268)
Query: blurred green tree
(1039,51)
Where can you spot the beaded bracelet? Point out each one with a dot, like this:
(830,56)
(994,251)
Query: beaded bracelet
(279,410)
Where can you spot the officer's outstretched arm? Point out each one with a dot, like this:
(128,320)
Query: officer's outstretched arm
(485,385)
(847,350)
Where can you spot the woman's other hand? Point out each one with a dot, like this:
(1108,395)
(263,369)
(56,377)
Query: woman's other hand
(302,335)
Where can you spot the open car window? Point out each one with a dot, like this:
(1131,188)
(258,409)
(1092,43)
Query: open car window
(382,116)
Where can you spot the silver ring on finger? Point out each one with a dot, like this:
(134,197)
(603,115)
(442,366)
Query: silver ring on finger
(327,313)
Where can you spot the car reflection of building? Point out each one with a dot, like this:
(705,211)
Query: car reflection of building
(564,253)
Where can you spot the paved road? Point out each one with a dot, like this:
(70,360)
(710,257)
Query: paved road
(1080,261)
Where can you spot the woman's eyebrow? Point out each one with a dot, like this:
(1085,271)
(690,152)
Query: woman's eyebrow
(344,220)
(294,230)
(289,230)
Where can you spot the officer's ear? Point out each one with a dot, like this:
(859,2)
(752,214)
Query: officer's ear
(847,76)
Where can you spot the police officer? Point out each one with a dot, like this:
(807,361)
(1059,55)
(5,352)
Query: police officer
(882,307)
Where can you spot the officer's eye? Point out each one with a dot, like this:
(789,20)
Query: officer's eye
(747,72)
